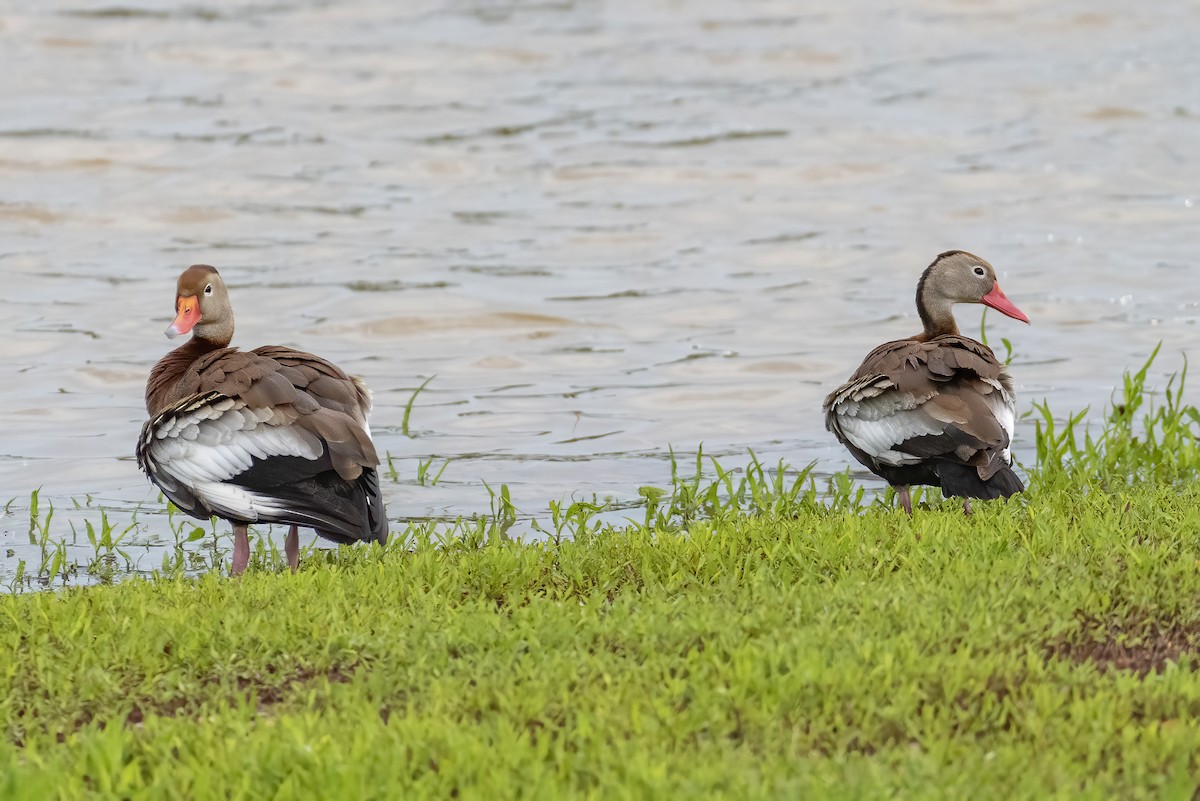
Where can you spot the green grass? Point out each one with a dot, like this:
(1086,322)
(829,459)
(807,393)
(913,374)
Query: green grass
(749,635)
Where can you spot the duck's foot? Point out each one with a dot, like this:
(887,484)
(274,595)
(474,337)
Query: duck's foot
(967,506)
(241,549)
(291,547)
(905,501)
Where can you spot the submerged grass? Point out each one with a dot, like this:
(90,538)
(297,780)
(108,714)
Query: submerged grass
(744,635)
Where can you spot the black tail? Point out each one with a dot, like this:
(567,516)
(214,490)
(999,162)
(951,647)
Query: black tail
(963,481)
(340,510)
(377,522)
(361,506)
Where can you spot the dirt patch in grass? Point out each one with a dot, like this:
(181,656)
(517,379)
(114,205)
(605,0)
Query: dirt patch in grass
(1139,642)
(267,689)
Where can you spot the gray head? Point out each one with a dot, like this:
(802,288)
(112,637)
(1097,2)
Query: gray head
(202,306)
(959,277)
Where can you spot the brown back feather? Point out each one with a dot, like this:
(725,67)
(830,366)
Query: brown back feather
(296,388)
(950,377)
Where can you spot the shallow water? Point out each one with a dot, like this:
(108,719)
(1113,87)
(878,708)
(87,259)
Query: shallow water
(607,228)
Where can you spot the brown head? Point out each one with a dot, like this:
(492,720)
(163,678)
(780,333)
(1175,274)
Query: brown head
(202,306)
(959,277)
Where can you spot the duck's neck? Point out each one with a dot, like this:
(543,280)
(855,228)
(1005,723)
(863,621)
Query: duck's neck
(935,312)
(160,389)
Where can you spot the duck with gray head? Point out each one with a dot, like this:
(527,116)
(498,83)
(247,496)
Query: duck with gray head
(937,408)
(271,435)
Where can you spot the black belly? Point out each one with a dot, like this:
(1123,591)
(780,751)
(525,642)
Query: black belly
(955,479)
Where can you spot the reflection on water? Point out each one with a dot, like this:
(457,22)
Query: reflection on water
(607,228)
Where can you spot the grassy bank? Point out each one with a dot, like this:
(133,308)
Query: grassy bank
(751,638)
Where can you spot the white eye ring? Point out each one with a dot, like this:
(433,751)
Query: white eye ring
(979,271)
(208,289)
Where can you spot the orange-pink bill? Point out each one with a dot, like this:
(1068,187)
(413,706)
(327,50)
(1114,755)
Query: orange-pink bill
(1000,302)
(187,314)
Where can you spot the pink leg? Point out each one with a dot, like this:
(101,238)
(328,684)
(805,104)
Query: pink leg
(241,549)
(966,506)
(291,546)
(905,501)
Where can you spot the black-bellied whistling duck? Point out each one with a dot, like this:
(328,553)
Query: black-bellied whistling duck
(937,408)
(271,435)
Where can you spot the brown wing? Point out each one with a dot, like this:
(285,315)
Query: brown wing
(911,401)
(268,435)
(293,388)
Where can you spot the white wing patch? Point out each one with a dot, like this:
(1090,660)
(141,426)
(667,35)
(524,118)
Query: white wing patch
(875,417)
(230,500)
(878,436)
(1004,408)
(201,446)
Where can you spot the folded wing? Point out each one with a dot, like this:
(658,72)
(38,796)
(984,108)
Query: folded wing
(271,435)
(913,403)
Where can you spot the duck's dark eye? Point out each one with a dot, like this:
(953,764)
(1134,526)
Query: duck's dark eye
(208,289)
(978,271)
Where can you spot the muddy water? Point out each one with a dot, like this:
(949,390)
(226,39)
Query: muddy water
(606,228)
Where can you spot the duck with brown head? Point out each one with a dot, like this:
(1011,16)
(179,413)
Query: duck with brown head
(271,435)
(937,408)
